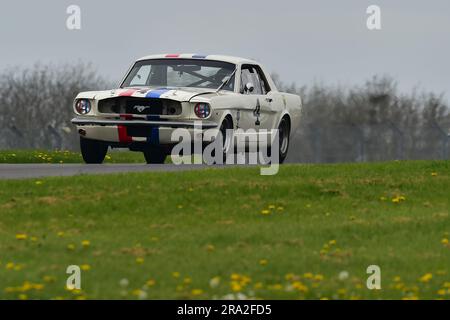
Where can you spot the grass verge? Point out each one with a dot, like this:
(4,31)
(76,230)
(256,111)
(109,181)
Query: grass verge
(309,232)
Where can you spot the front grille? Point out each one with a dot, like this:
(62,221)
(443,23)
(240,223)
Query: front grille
(144,106)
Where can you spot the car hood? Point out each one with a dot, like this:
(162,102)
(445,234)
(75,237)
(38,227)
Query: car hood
(178,94)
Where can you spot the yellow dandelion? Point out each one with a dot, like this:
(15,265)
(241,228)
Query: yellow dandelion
(21,236)
(299,286)
(410,298)
(197,292)
(342,291)
(150,283)
(139,260)
(263,262)
(265,212)
(85,243)
(434,174)
(235,286)
(175,274)
(187,280)
(276,287)
(23,296)
(271,206)
(85,267)
(235,276)
(426,277)
(289,276)
(48,279)
(37,286)
(318,277)
(210,247)
(444,241)
(179,288)
(38,182)
(441,292)
(60,234)
(71,246)
(9,266)
(258,285)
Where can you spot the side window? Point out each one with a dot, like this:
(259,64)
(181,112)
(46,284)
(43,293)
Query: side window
(262,80)
(250,75)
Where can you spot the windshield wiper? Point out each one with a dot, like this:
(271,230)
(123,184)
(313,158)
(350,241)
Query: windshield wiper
(226,82)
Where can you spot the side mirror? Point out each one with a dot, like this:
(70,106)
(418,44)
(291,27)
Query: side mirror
(249,87)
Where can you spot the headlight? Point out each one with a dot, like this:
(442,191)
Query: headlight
(202,110)
(83,106)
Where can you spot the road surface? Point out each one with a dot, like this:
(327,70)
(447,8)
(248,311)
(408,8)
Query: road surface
(23,171)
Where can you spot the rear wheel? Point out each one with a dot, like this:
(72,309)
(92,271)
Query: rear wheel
(283,135)
(93,151)
(155,154)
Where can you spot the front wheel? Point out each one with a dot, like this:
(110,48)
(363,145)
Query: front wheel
(155,154)
(93,151)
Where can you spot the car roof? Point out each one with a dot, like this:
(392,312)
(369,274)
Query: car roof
(230,59)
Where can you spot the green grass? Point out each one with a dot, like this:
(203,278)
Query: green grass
(64,156)
(169,234)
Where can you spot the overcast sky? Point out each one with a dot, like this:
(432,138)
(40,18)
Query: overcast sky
(303,41)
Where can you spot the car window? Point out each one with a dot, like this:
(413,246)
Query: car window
(197,73)
(141,76)
(250,75)
(262,80)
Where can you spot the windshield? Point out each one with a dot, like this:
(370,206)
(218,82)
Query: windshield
(180,73)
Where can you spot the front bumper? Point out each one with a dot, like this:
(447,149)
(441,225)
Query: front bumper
(126,131)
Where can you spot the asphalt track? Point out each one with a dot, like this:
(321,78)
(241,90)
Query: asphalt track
(23,171)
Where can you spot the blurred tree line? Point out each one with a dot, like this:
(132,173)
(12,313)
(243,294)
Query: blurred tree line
(36,104)
(371,122)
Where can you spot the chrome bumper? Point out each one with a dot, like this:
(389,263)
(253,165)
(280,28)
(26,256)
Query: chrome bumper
(85,121)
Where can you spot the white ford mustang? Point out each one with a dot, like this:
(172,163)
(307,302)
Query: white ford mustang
(161,93)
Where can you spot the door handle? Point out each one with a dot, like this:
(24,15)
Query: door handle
(269,99)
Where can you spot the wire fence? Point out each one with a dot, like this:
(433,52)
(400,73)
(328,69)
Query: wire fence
(375,142)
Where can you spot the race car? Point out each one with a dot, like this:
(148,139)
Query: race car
(162,93)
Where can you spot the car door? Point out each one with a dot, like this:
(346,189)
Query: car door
(257,110)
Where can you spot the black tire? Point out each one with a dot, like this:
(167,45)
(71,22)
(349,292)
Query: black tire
(155,154)
(93,151)
(283,134)
(226,124)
